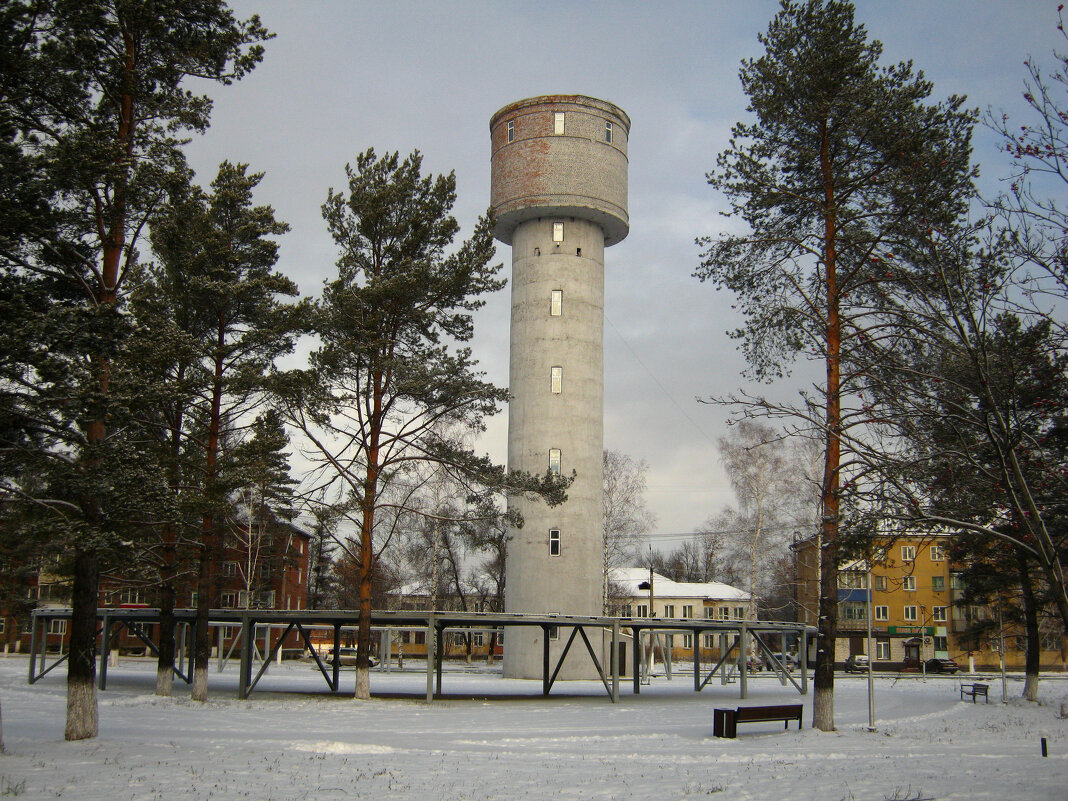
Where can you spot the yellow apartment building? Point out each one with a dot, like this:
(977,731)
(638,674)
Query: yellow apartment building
(915,614)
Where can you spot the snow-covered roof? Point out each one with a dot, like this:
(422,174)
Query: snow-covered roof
(630,577)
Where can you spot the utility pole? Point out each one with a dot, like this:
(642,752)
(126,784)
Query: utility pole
(871,658)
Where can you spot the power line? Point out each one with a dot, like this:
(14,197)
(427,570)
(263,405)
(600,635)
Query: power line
(657,381)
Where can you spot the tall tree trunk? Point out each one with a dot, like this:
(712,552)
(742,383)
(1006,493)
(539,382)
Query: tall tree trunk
(82,717)
(202,640)
(1032,658)
(370,496)
(209,537)
(823,680)
(165,662)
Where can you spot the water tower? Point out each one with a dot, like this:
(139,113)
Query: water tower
(559,191)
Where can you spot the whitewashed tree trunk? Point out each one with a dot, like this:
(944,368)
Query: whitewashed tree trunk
(823,708)
(363,684)
(82,719)
(164,681)
(200,683)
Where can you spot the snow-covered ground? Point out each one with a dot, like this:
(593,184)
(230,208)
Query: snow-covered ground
(658,746)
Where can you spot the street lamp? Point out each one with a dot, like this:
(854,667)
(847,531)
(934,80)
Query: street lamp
(871,658)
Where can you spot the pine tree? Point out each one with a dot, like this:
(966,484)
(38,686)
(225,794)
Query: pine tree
(844,162)
(218,253)
(94,112)
(391,379)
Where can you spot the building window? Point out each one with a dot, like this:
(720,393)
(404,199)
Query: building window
(687,641)
(882,613)
(739,613)
(956,581)
(938,553)
(227,632)
(57,626)
(908,553)
(710,613)
(939,614)
(558,123)
(229,569)
(3,625)
(724,613)
(554,542)
(511,130)
(687,611)
(626,611)
(132,596)
(852,580)
(669,610)
(908,583)
(556,379)
(608,132)
(643,610)
(556,302)
(854,611)
(558,232)
(910,613)
(554,461)
(228,600)
(880,583)
(938,583)
(265,571)
(941,643)
(477,639)
(882,650)
(554,632)
(710,641)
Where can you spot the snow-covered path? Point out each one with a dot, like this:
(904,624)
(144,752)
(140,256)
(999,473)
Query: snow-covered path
(654,746)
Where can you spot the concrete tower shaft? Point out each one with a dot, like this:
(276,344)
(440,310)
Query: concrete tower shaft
(559,173)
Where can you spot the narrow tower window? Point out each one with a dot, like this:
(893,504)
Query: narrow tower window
(558,123)
(607,132)
(554,461)
(511,131)
(556,302)
(558,232)
(554,542)
(556,379)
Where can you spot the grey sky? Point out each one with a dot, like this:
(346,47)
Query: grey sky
(344,76)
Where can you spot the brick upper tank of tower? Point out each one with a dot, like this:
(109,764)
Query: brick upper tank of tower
(560,155)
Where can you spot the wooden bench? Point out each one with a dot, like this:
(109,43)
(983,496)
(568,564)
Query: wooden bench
(975,690)
(725,721)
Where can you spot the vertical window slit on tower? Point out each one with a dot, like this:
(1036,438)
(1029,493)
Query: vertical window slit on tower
(511,130)
(556,302)
(556,379)
(554,461)
(558,232)
(607,132)
(578,251)
(554,542)
(558,122)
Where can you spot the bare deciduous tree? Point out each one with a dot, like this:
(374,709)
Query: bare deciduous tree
(626,517)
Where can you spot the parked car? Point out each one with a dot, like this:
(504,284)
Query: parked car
(788,661)
(856,663)
(942,666)
(346,657)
